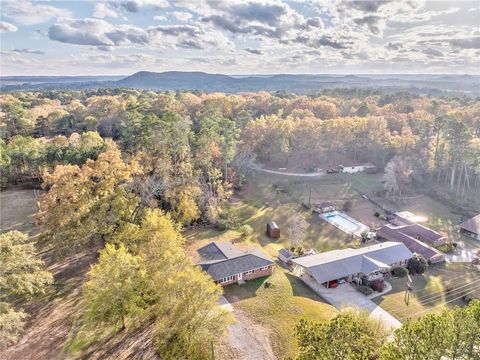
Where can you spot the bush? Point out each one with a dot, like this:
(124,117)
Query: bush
(365,290)
(468,298)
(447,248)
(399,271)
(418,264)
(377,285)
(347,205)
(245,230)
(227,221)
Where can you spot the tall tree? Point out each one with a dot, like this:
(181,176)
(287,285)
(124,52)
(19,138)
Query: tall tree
(22,276)
(87,204)
(116,289)
(351,335)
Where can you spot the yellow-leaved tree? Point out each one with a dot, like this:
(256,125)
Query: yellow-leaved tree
(87,204)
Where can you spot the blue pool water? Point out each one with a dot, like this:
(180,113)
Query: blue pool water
(343,221)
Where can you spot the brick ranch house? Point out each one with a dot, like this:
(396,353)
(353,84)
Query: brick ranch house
(227,264)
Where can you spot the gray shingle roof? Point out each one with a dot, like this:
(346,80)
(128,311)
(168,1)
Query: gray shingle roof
(392,233)
(337,264)
(472,225)
(222,259)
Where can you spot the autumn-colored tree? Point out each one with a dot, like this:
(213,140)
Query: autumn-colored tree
(116,288)
(452,334)
(351,335)
(89,203)
(21,277)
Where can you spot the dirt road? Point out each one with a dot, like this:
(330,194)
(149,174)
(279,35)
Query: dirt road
(245,340)
(321,173)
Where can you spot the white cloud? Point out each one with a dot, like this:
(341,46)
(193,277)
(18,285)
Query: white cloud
(182,15)
(7,27)
(102,34)
(28,13)
(96,32)
(103,10)
(134,6)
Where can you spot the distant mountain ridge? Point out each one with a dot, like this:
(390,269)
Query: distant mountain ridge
(303,83)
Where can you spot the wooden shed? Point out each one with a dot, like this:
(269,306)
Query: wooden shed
(273,230)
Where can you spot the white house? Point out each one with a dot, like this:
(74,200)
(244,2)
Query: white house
(353,169)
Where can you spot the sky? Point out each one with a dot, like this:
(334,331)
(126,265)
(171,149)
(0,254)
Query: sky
(239,37)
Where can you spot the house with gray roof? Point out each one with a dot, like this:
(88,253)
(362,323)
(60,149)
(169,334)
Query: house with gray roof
(227,264)
(414,239)
(471,227)
(332,267)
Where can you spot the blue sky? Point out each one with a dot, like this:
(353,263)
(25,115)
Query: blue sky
(239,36)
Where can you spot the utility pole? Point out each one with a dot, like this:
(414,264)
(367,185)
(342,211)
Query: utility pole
(408,290)
(310,197)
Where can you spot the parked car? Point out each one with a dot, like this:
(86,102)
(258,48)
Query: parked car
(332,171)
(333,284)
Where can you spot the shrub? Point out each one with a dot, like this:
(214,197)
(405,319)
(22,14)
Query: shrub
(365,290)
(245,230)
(347,205)
(377,285)
(468,298)
(446,248)
(400,271)
(227,221)
(418,264)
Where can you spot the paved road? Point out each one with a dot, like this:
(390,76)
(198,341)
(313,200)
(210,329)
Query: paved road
(345,295)
(321,173)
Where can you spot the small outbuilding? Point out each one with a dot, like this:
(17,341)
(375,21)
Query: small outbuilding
(286,256)
(273,230)
(324,207)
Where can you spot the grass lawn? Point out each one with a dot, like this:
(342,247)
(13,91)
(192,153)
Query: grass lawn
(279,307)
(275,197)
(442,285)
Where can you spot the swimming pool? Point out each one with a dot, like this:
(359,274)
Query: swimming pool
(345,223)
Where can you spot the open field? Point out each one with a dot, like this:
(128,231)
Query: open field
(17,208)
(440,286)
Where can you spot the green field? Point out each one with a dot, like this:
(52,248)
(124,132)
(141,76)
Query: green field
(440,286)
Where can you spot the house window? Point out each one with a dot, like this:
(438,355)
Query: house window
(226,279)
(248,272)
(264,268)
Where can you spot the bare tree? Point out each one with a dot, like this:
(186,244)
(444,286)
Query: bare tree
(397,178)
(296,230)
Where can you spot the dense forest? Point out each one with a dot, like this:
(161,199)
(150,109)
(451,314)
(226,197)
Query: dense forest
(205,141)
(124,171)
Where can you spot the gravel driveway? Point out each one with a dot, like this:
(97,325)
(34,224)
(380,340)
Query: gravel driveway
(246,340)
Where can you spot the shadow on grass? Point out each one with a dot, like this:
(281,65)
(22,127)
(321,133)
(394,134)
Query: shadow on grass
(300,289)
(235,292)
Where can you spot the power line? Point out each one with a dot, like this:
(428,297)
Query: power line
(447,302)
(477,287)
(454,289)
(451,279)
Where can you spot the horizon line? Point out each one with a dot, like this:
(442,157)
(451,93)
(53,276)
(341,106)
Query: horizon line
(250,74)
